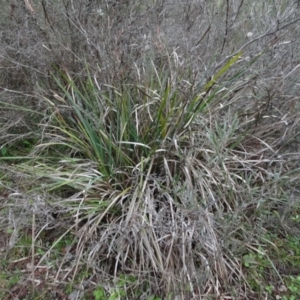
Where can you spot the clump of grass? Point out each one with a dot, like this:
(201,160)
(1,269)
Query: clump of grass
(164,184)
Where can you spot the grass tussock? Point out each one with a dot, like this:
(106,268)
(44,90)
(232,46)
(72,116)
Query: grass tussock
(143,171)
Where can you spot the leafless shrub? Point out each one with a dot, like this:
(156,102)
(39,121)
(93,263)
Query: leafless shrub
(115,34)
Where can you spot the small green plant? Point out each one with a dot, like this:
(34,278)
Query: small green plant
(65,242)
(256,260)
(289,297)
(123,284)
(291,251)
(293,285)
(296,218)
(269,289)
(249,260)
(7,281)
(100,294)
(4,151)
(17,149)
(119,291)
(256,264)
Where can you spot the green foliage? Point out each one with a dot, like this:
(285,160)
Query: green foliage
(296,218)
(293,285)
(269,289)
(17,150)
(4,151)
(125,125)
(222,71)
(9,281)
(120,291)
(291,251)
(257,263)
(260,268)
(99,294)
(256,259)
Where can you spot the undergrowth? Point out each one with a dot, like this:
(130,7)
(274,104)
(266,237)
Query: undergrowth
(152,178)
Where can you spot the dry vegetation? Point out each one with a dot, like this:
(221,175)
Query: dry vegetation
(149,149)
